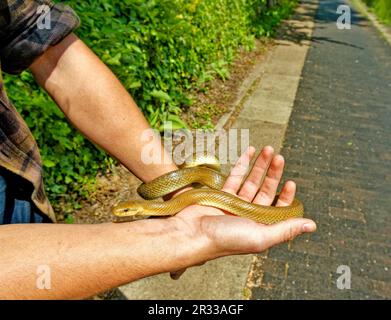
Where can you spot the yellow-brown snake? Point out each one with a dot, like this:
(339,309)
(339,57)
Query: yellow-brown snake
(212,196)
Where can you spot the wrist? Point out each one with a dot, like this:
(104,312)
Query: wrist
(156,246)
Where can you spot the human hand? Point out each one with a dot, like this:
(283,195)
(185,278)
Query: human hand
(223,234)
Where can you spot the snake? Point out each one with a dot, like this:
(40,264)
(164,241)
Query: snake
(203,172)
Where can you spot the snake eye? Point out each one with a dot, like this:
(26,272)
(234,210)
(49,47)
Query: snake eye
(130,210)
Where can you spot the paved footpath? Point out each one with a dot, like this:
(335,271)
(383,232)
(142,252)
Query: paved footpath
(338,150)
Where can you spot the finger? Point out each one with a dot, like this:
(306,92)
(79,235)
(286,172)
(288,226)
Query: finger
(266,194)
(175,275)
(238,172)
(284,231)
(254,179)
(287,194)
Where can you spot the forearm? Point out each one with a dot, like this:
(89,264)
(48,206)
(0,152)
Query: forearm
(86,259)
(97,104)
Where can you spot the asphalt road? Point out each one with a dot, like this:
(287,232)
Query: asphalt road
(338,150)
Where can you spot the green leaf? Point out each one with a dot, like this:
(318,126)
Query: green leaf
(114,61)
(69,219)
(176,123)
(158,94)
(48,163)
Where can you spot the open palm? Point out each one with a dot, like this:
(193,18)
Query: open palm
(226,234)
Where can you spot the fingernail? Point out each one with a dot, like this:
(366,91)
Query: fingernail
(309,227)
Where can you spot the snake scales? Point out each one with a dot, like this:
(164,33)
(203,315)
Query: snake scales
(200,172)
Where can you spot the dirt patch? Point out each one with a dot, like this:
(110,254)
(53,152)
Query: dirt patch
(110,189)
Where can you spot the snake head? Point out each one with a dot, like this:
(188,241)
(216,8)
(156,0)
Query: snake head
(127,209)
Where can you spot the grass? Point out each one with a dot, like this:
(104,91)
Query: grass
(382,9)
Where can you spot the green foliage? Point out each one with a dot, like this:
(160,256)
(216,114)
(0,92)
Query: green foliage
(382,9)
(370,3)
(70,161)
(159,49)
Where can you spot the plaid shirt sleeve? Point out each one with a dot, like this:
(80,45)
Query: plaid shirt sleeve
(24,36)
(28,28)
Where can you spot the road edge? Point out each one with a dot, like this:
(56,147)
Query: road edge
(360,6)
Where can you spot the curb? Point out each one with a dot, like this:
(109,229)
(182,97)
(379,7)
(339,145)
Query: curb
(245,91)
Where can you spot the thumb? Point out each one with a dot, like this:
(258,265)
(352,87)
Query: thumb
(285,231)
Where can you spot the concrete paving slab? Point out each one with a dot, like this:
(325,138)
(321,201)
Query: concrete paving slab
(281,64)
(268,110)
(262,133)
(224,278)
(278,87)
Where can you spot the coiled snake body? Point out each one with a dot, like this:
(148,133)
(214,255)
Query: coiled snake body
(211,196)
